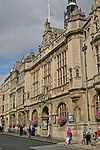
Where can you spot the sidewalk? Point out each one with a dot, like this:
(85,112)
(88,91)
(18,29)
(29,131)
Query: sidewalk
(74,146)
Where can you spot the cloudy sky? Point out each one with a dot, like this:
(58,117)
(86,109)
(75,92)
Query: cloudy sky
(22,24)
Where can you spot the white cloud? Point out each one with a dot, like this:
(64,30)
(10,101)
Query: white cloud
(22,24)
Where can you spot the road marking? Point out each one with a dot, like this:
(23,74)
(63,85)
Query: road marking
(48,147)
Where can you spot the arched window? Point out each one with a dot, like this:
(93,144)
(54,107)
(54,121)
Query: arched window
(96,104)
(77,72)
(70,73)
(62,109)
(34,114)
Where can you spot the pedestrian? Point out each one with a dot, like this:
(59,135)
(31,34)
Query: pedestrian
(21,130)
(68,136)
(98,134)
(93,139)
(84,137)
(33,130)
(88,137)
(29,132)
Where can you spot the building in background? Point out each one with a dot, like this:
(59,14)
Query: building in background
(60,87)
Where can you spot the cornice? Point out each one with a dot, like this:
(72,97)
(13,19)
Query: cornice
(95,39)
(73,32)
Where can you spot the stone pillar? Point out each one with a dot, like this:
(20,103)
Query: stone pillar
(39,130)
(17,118)
(50,120)
(75,99)
(27,118)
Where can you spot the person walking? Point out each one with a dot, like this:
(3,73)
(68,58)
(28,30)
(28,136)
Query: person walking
(98,134)
(29,132)
(68,136)
(21,130)
(88,137)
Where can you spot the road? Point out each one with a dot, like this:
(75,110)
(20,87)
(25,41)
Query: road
(8,142)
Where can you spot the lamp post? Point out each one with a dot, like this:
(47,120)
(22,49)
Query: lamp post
(84,49)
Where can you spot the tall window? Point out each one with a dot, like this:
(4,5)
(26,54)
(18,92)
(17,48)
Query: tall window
(13,101)
(77,72)
(23,96)
(62,68)
(70,73)
(62,109)
(97,103)
(2,108)
(47,74)
(98,58)
(36,83)
(3,97)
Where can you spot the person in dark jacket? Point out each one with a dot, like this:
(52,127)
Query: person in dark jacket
(33,130)
(29,132)
(88,138)
(21,130)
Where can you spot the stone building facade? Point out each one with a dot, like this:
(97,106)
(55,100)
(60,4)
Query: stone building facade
(62,80)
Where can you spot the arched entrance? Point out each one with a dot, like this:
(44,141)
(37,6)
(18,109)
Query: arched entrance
(45,121)
(35,118)
(21,119)
(34,122)
(35,115)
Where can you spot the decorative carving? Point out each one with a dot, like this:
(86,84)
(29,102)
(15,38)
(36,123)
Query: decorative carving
(75,97)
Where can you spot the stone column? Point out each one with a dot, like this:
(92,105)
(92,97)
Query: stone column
(39,130)
(75,99)
(27,118)
(50,120)
(17,118)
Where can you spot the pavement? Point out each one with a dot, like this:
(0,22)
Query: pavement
(75,146)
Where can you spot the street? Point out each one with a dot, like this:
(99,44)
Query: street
(8,142)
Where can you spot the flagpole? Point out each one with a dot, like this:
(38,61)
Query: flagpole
(49,9)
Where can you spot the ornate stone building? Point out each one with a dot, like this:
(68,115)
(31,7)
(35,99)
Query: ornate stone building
(62,80)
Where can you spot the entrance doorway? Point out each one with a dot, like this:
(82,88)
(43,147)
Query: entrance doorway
(45,121)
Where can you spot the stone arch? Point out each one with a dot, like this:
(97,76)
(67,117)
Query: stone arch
(62,109)
(45,111)
(34,114)
(95,105)
(12,120)
(21,119)
(45,117)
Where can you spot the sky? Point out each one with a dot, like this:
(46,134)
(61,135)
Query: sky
(22,25)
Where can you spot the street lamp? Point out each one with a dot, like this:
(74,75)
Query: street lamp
(84,49)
